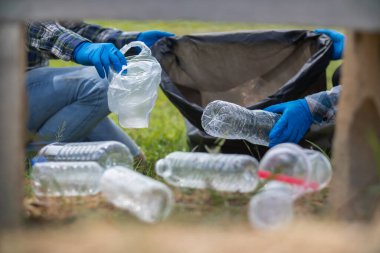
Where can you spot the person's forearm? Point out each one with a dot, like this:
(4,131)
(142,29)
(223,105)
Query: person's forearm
(52,39)
(323,105)
(99,34)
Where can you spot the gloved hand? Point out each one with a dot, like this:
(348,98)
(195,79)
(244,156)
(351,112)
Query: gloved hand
(100,55)
(296,119)
(150,37)
(338,42)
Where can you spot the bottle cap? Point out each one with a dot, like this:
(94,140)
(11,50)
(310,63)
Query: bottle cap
(38,159)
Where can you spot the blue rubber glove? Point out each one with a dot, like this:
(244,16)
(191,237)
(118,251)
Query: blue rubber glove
(150,37)
(100,55)
(295,121)
(338,42)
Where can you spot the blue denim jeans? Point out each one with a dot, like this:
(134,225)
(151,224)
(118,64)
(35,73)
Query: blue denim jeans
(70,105)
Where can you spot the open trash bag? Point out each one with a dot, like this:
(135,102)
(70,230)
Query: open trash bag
(254,69)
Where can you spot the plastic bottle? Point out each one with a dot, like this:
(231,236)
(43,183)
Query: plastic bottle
(321,170)
(272,207)
(106,153)
(289,159)
(143,196)
(133,91)
(233,173)
(231,121)
(54,179)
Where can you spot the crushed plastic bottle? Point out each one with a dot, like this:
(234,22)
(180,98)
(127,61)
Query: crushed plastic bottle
(106,153)
(53,179)
(289,159)
(231,121)
(143,196)
(133,91)
(272,207)
(222,172)
(300,170)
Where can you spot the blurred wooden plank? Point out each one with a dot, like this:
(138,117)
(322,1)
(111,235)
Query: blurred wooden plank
(357,136)
(12,123)
(213,235)
(362,14)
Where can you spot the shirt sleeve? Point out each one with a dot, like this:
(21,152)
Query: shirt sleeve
(52,39)
(99,34)
(323,105)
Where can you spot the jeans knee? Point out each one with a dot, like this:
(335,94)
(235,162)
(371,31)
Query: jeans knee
(102,89)
(96,94)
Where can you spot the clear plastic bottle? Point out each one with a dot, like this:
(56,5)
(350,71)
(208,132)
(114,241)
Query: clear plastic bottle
(222,172)
(54,179)
(289,159)
(143,196)
(231,121)
(106,153)
(272,207)
(321,170)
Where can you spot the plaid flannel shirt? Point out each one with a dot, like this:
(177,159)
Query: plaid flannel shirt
(53,39)
(323,105)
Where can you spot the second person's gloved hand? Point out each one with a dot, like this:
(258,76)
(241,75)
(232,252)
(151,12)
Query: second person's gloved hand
(150,37)
(338,42)
(295,121)
(100,55)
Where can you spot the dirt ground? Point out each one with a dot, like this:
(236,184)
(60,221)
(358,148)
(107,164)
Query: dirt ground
(202,221)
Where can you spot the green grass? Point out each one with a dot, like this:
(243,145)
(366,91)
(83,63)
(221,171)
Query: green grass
(166,132)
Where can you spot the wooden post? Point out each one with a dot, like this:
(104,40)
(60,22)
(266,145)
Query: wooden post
(12,122)
(356,156)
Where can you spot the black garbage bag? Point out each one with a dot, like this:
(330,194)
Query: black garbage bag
(254,69)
